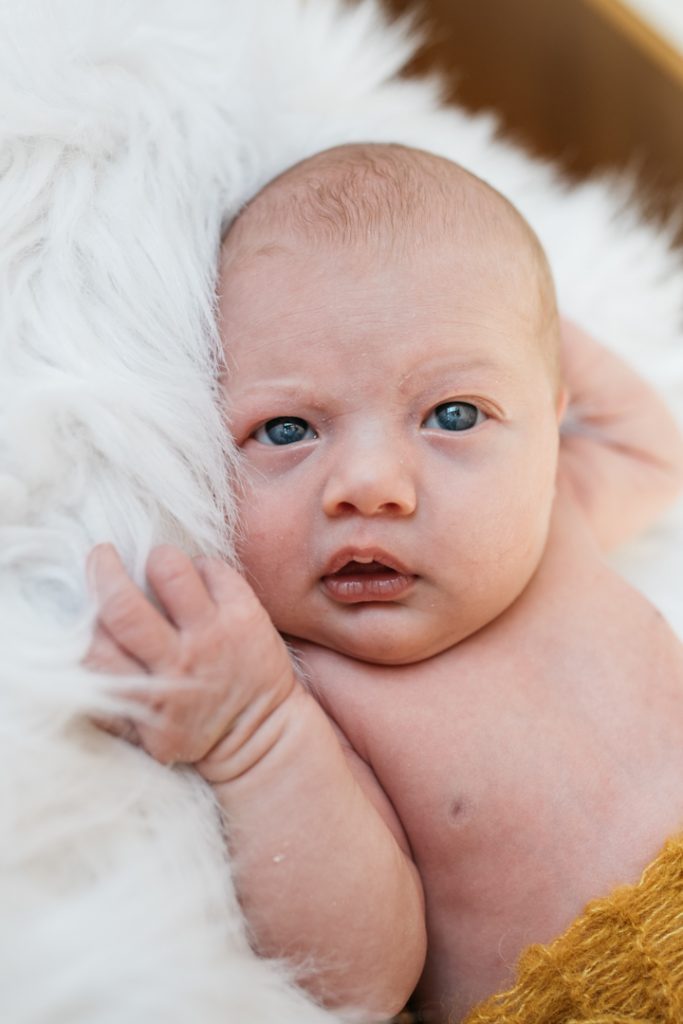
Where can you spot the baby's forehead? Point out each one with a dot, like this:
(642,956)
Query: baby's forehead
(368,193)
(382,202)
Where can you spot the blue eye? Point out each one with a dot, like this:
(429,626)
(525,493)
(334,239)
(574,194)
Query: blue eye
(284,430)
(455,416)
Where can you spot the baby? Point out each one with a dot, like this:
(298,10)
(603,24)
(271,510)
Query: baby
(483,728)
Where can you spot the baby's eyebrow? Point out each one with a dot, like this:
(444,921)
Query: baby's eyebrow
(454,368)
(292,386)
(282,391)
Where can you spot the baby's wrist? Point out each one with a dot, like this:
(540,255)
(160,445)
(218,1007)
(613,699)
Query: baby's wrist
(256,733)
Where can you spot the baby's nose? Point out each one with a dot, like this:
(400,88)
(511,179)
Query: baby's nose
(370,481)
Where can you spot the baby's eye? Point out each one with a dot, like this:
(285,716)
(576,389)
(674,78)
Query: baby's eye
(284,430)
(455,416)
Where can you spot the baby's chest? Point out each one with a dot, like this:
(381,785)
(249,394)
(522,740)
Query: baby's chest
(464,767)
(458,745)
(482,756)
(517,819)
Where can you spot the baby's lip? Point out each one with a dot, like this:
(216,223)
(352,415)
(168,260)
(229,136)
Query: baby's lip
(365,556)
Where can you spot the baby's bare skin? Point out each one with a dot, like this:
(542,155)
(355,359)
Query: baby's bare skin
(534,766)
(495,734)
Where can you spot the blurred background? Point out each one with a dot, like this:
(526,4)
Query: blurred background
(594,84)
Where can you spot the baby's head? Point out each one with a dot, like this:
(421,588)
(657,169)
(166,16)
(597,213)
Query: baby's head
(391,338)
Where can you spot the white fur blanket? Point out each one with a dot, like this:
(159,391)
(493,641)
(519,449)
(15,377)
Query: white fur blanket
(130,133)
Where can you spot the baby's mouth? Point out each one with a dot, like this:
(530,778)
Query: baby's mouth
(353,568)
(356,581)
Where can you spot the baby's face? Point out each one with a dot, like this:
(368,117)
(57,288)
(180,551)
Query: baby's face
(398,428)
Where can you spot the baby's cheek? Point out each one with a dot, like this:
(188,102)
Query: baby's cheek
(260,549)
(260,571)
(528,522)
(498,538)
(267,550)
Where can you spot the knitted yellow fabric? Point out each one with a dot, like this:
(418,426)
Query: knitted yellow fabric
(621,962)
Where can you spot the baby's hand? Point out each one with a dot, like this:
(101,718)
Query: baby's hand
(226,668)
(621,450)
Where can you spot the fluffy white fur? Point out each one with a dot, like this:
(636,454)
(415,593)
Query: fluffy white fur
(131,132)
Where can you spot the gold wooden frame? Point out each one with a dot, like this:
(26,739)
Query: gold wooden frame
(645,36)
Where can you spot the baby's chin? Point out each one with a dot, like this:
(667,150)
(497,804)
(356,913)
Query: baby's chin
(379,649)
(391,634)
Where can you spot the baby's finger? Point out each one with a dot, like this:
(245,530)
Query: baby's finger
(124,728)
(133,622)
(179,587)
(225,585)
(105,655)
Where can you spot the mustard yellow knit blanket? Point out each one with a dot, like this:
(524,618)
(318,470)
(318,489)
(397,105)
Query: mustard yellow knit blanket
(621,962)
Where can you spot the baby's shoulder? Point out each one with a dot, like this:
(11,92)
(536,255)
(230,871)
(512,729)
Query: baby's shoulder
(361,697)
(334,677)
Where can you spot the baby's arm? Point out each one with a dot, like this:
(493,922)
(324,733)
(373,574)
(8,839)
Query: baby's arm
(321,863)
(620,447)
